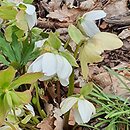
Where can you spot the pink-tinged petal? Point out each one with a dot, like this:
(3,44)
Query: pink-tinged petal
(67,104)
(36,66)
(49,64)
(86,109)
(94,15)
(77,116)
(64,68)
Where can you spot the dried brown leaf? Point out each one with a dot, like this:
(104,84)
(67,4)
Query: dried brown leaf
(46,124)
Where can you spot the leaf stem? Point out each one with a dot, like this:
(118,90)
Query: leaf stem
(41,112)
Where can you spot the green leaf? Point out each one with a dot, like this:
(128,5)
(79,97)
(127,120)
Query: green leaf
(6,77)
(88,54)
(105,41)
(86,89)
(70,58)
(26,119)
(27,78)
(36,31)
(8,33)
(20,98)
(3,110)
(7,50)
(21,21)
(75,34)
(54,41)
(17,48)
(28,1)
(8,100)
(3,60)
(7,12)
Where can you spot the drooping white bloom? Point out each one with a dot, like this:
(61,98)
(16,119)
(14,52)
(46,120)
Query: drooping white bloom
(31,16)
(83,109)
(88,22)
(50,65)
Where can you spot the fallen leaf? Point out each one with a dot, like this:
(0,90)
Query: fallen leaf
(47,123)
(59,121)
(65,14)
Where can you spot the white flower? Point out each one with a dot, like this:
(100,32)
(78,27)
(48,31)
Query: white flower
(51,64)
(82,108)
(30,16)
(30,108)
(88,22)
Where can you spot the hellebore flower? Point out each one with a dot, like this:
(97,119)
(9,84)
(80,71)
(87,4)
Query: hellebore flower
(88,22)
(52,64)
(26,17)
(31,16)
(98,41)
(83,109)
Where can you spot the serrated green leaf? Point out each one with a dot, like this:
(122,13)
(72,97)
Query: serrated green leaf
(7,50)
(17,48)
(86,89)
(54,41)
(75,34)
(7,12)
(70,58)
(3,60)
(27,78)
(6,77)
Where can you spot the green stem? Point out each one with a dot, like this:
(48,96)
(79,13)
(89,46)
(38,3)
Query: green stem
(71,87)
(71,84)
(71,80)
(41,112)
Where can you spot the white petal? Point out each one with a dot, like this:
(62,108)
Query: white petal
(31,20)
(30,108)
(94,15)
(67,104)
(77,116)
(64,68)
(49,64)
(86,109)
(90,28)
(40,43)
(5,128)
(64,82)
(30,9)
(36,66)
